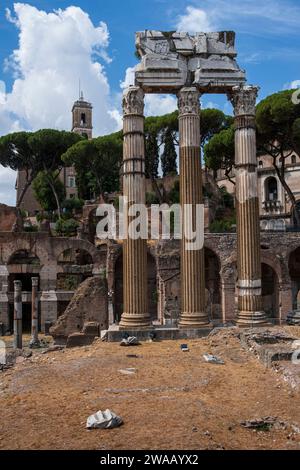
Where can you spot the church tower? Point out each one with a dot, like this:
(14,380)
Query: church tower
(82,117)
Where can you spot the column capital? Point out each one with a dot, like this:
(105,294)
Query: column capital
(133,101)
(188,101)
(18,285)
(243,99)
(35,281)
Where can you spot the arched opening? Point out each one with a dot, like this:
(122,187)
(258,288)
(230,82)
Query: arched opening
(75,257)
(152,288)
(24,257)
(213,285)
(294,220)
(271,189)
(76,266)
(270,291)
(294,269)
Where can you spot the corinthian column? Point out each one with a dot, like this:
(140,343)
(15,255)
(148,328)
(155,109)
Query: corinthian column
(192,261)
(247,206)
(135,314)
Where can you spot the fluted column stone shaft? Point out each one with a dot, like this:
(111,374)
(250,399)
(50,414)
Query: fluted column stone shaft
(193,313)
(247,206)
(135,313)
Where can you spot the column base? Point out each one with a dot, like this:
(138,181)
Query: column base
(34,344)
(251,319)
(193,320)
(293,318)
(135,321)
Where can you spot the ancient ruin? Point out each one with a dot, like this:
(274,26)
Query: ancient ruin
(247,278)
(189,66)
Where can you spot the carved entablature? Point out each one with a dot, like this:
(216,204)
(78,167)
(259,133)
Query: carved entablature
(243,100)
(170,61)
(133,101)
(188,101)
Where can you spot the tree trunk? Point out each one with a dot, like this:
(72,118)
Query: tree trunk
(19,222)
(281,175)
(52,186)
(49,175)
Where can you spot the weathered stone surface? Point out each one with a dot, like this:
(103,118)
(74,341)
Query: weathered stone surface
(89,304)
(172,60)
(8,217)
(79,339)
(91,328)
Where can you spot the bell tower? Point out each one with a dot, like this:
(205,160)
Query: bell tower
(82,117)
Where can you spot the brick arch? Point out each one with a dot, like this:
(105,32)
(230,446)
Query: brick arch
(269,258)
(293,247)
(211,246)
(25,242)
(63,244)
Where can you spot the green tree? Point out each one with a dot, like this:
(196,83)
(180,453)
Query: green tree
(97,163)
(278,135)
(49,145)
(169,155)
(16,153)
(44,193)
(151,154)
(219,152)
(36,152)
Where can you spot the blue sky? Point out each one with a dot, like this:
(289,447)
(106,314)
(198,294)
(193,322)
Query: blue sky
(95,42)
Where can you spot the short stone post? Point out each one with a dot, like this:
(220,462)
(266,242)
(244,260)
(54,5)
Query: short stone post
(34,342)
(17,315)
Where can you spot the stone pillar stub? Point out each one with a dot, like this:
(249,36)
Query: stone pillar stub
(34,342)
(135,314)
(193,314)
(17,315)
(247,203)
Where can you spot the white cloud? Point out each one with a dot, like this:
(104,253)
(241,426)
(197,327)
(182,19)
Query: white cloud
(7,183)
(270,17)
(295,84)
(194,20)
(129,78)
(158,105)
(55,50)
(291,85)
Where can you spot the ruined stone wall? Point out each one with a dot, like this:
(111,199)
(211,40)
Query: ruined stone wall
(8,217)
(276,251)
(89,304)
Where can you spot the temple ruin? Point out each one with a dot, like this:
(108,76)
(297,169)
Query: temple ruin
(248,278)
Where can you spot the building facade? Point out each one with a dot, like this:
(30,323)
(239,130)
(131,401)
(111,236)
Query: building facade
(276,211)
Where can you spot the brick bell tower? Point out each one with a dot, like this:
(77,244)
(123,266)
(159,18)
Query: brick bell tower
(82,117)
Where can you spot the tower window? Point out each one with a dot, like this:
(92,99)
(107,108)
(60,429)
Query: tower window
(71,182)
(260,164)
(271,189)
(293,159)
(83,119)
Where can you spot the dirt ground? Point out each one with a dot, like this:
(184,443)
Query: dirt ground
(174,400)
